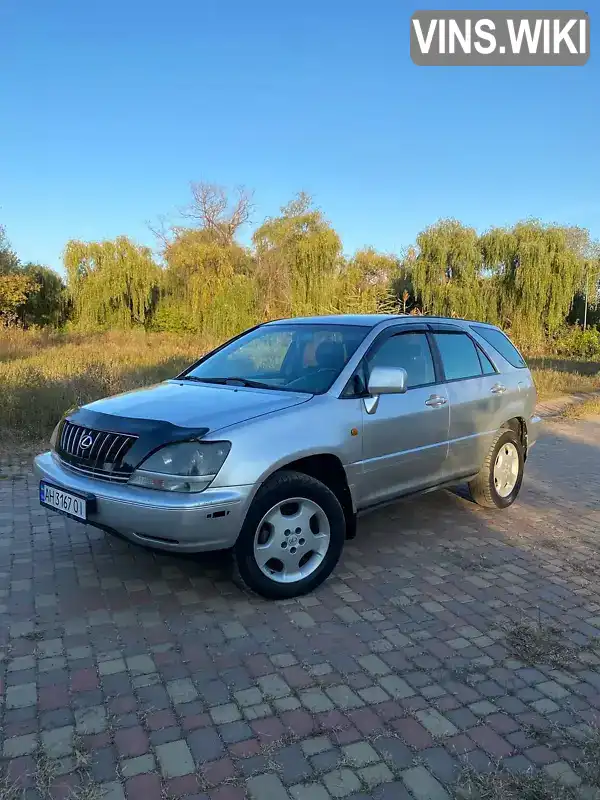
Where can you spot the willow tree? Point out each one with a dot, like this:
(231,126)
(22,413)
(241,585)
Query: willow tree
(538,271)
(112,283)
(447,273)
(587,294)
(206,284)
(298,255)
(208,281)
(367,281)
(375,267)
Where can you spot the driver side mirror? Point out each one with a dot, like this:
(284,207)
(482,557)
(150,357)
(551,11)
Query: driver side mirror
(387,380)
(384,380)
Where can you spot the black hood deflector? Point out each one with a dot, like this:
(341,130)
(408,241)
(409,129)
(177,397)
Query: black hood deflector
(152,434)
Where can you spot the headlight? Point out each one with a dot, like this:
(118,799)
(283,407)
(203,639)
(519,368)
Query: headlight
(184,467)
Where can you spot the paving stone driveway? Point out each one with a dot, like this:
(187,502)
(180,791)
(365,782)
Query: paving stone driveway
(149,676)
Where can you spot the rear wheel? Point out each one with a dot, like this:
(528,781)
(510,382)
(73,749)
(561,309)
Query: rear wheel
(501,476)
(292,537)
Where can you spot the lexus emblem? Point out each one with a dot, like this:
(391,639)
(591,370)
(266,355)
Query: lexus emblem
(86,442)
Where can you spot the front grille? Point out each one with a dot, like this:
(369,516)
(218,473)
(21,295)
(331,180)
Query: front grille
(97,454)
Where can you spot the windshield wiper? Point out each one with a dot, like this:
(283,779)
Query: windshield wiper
(229,381)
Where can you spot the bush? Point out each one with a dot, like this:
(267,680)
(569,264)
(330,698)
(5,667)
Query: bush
(171,318)
(576,343)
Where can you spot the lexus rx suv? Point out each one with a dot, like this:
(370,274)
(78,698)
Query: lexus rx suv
(273,443)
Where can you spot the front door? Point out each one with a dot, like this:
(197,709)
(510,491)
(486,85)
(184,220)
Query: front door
(405,438)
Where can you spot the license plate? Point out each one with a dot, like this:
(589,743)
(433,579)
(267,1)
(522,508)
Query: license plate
(73,505)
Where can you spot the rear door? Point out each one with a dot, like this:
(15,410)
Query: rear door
(477,394)
(405,439)
(515,376)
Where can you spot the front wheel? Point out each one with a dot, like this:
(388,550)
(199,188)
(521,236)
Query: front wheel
(501,476)
(292,537)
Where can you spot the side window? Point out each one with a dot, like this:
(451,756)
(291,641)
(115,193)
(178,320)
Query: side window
(500,342)
(486,364)
(459,356)
(408,350)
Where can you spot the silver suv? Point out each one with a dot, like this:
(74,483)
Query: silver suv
(273,443)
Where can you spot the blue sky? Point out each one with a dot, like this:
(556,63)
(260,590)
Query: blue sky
(108,109)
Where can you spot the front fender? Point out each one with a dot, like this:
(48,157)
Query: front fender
(259,447)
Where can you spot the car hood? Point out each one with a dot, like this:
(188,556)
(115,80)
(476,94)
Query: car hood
(193,405)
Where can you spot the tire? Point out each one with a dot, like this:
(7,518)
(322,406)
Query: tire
(484,488)
(290,517)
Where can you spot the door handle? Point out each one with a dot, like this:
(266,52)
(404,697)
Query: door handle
(498,388)
(435,401)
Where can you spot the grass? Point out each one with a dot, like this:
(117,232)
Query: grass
(555,377)
(43,374)
(588,408)
(9,789)
(48,783)
(538,643)
(501,785)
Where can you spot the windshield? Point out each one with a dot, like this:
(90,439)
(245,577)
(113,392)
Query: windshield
(296,358)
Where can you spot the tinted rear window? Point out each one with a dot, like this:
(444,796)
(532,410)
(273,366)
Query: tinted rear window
(501,343)
(459,356)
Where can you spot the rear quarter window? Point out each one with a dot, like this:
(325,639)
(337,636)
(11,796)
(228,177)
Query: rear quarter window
(502,344)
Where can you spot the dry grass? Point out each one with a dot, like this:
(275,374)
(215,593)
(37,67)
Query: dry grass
(49,782)
(44,775)
(589,764)
(538,643)
(555,377)
(588,408)
(43,374)
(9,789)
(500,785)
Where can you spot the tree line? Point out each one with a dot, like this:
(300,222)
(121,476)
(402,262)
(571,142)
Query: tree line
(532,278)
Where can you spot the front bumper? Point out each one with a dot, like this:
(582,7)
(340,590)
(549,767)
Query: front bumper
(208,520)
